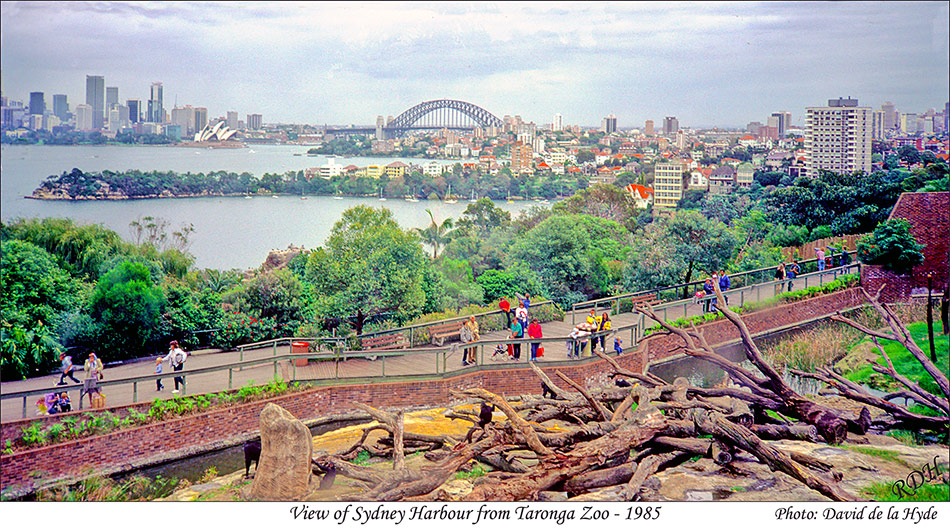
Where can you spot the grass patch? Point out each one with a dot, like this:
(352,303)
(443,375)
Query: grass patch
(817,347)
(476,472)
(886,491)
(880,453)
(361,458)
(905,363)
(137,488)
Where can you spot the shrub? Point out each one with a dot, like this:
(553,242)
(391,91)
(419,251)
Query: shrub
(891,246)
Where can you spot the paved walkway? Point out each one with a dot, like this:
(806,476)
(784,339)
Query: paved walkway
(351,368)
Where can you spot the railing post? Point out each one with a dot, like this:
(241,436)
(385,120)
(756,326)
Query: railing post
(183,381)
(135,392)
(230,377)
(384,365)
(24,404)
(410,337)
(242,358)
(275,347)
(275,368)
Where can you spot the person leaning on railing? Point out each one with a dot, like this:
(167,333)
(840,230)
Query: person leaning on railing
(93,367)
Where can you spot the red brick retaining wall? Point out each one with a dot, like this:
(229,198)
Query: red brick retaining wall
(153,443)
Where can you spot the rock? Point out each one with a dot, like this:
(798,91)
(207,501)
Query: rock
(283,473)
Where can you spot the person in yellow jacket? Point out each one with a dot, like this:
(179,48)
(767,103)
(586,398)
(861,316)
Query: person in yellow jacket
(604,327)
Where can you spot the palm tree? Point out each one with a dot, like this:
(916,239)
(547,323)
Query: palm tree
(436,235)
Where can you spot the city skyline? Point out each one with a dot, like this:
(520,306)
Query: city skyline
(706,64)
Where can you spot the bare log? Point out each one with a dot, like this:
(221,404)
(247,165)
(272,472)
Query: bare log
(807,432)
(550,383)
(529,434)
(741,437)
(595,404)
(600,478)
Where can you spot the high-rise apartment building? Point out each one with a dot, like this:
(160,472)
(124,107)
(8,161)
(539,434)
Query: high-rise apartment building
(96,98)
(255,122)
(135,110)
(782,120)
(156,109)
(232,120)
(521,157)
(37,103)
(609,124)
(648,127)
(60,107)
(877,125)
(669,182)
(838,137)
(908,123)
(112,97)
(558,123)
(670,125)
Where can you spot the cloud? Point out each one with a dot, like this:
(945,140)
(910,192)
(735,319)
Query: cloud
(345,62)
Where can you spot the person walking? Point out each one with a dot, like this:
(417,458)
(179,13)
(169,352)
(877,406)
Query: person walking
(176,358)
(68,367)
(820,252)
(534,331)
(779,276)
(158,371)
(792,272)
(506,308)
(93,368)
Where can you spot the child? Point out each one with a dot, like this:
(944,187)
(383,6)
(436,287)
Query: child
(158,371)
(618,346)
(64,404)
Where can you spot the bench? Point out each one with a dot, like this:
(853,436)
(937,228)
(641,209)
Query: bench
(440,332)
(649,299)
(385,341)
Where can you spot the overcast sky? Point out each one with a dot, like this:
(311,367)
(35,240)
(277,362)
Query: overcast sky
(722,64)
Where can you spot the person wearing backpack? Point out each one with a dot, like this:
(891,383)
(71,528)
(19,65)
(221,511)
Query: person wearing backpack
(176,358)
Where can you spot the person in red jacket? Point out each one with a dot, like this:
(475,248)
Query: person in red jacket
(506,308)
(534,331)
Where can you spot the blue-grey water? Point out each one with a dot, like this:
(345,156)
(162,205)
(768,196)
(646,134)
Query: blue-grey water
(231,232)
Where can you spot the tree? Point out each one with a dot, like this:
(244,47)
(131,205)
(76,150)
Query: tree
(274,295)
(436,235)
(574,256)
(34,293)
(368,263)
(482,217)
(602,200)
(891,246)
(673,251)
(127,304)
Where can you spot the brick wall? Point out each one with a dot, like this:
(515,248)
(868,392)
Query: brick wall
(158,442)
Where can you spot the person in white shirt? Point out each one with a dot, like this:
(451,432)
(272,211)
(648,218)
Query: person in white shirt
(176,358)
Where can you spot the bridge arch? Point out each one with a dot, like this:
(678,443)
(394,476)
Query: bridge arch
(411,117)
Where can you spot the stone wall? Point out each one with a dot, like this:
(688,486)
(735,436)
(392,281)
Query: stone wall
(172,439)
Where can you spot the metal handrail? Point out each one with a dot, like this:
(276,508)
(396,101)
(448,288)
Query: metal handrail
(734,277)
(636,330)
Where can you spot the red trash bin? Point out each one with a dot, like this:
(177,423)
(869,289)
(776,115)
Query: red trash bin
(300,348)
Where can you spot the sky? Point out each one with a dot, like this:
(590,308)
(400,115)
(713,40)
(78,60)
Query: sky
(708,63)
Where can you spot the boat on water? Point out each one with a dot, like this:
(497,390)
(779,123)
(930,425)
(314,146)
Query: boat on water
(412,199)
(474,198)
(337,198)
(273,196)
(303,198)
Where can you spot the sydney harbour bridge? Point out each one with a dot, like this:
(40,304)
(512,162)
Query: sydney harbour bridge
(429,115)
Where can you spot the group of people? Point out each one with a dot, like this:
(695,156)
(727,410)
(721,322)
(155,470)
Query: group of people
(708,294)
(595,323)
(94,368)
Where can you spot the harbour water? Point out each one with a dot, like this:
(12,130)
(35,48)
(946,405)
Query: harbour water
(230,232)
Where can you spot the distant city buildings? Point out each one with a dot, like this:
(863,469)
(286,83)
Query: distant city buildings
(558,123)
(37,104)
(96,99)
(609,124)
(838,137)
(60,107)
(254,122)
(670,125)
(669,182)
(156,109)
(648,127)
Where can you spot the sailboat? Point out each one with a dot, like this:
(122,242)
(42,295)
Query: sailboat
(448,196)
(473,199)
(381,198)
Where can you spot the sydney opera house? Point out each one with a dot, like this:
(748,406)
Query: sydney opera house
(215,133)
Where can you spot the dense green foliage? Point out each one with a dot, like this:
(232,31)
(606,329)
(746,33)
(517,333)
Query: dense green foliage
(892,246)
(905,363)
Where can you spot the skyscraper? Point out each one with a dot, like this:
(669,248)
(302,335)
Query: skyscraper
(156,110)
(558,123)
(60,107)
(232,120)
(782,120)
(201,118)
(670,125)
(877,125)
(135,110)
(890,115)
(648,127)
(609,124)
(838,137)
(96,98)
(37,103)
(112,97)
(85,117)
(255,122)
